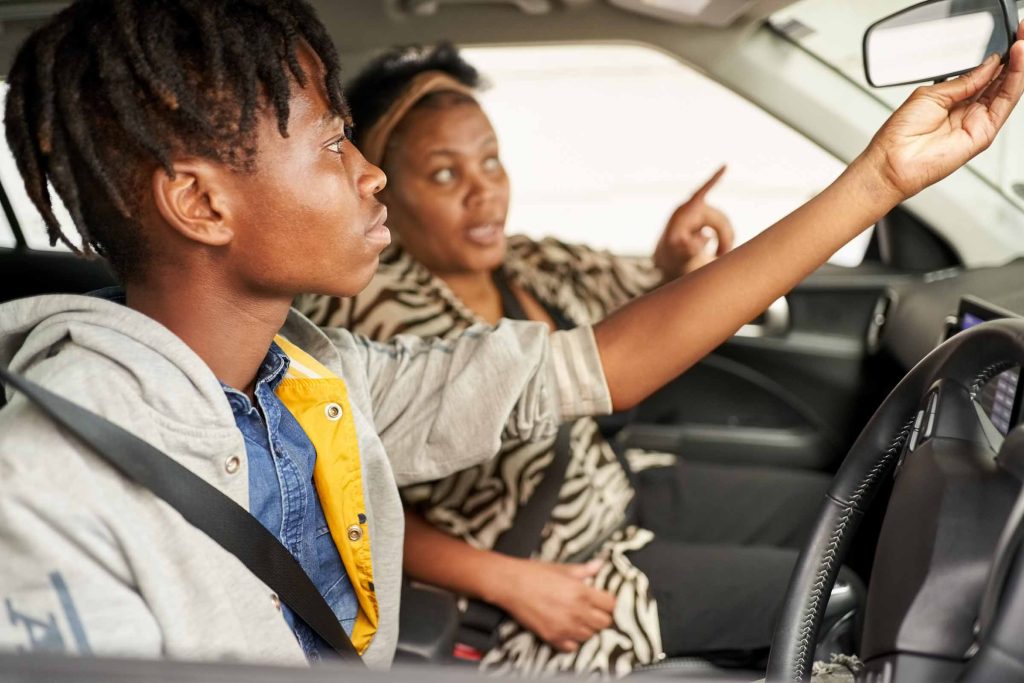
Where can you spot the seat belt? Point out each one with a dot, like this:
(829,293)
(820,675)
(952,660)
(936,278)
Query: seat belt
(480,620)
(512,308)
(202,505)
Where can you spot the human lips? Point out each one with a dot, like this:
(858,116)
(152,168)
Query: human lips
(486,234)
(378,231)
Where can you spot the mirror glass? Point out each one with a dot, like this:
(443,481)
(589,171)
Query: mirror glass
(934,40)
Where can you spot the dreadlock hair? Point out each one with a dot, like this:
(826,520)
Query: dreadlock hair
(110,90)
(386,77)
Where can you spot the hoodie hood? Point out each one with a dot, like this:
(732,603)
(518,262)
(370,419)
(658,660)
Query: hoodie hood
(46,338)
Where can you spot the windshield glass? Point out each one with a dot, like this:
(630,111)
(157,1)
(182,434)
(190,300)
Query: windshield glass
(833,31)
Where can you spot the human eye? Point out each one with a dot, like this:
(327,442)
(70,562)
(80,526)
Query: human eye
(337,145)
(443,176)
(492,163)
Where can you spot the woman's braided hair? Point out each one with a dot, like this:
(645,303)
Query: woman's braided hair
(110,90)
(386,77)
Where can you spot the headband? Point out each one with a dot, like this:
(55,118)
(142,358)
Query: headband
(375,141)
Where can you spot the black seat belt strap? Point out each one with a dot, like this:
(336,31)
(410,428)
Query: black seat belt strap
(523,537)
(202,505)
(481,619)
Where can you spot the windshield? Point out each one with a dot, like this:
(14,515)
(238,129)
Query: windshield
(832,31)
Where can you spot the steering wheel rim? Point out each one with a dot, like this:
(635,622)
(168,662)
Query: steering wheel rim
(970,358)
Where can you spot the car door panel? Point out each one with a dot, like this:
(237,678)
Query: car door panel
(790,397)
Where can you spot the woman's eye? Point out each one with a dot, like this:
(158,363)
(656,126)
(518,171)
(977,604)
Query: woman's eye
(492,164)
(443,176)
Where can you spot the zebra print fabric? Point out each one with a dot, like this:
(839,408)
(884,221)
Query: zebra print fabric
(477,505)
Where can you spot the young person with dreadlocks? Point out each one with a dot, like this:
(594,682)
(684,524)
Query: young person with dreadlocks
(202,147)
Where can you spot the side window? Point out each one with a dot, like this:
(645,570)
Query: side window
(29,220)
(602,142)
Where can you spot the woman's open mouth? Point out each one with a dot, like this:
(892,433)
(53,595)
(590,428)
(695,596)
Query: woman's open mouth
(486,235)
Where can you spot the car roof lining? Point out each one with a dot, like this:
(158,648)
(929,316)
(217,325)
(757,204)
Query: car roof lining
(361,29)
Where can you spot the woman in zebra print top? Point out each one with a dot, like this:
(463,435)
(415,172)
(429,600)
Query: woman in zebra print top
(603,594)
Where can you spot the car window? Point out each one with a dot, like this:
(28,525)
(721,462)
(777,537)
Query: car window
(602,142)
(833,31)
(29,220)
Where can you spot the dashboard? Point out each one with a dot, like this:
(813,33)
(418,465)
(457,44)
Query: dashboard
(911,318)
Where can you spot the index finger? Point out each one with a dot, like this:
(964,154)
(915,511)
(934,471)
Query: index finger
(710,183)
(1004,99)
(949,93)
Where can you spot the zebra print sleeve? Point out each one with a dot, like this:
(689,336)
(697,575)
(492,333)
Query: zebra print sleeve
(575,275)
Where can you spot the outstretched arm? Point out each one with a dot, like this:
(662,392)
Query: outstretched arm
(941,127)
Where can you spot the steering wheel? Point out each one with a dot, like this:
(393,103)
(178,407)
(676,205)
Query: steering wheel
(946,597)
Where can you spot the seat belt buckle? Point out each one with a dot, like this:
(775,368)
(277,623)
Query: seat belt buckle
(467,653)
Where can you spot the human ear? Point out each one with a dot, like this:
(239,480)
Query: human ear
(192,201)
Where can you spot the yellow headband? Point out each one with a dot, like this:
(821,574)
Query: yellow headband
(375,141)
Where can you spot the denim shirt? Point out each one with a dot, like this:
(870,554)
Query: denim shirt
(283,498)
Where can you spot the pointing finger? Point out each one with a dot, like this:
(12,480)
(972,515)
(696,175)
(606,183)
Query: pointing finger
(709,184)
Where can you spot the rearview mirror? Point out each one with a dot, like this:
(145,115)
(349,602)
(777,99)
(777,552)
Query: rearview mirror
(937,39)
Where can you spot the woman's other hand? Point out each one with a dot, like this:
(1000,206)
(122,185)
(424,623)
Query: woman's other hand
(683,244)
(556,601)
(941,127)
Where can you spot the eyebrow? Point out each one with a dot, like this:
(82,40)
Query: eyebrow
(451,152)
(329,120)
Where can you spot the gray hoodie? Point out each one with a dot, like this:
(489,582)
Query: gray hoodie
(91,563)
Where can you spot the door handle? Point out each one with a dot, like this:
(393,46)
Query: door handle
(774,322)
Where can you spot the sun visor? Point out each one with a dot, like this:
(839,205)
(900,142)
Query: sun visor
(706,12)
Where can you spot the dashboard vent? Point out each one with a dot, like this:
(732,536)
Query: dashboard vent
(879,316)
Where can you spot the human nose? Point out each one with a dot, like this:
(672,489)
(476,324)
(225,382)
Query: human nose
(482,189)
(371,179)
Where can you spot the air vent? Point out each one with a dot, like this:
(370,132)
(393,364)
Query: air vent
(879,316)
